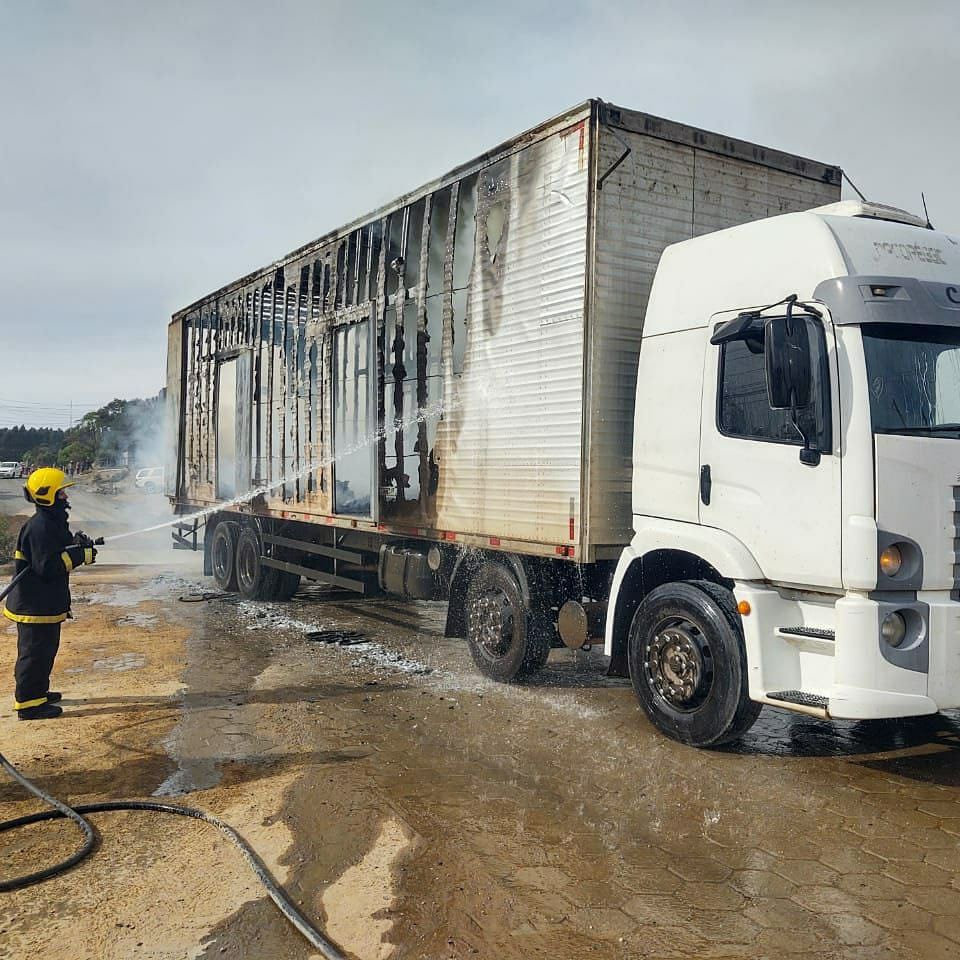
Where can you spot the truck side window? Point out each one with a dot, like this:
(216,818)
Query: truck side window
(742,407)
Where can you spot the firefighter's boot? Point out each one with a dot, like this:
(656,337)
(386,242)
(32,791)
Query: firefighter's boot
(46,711)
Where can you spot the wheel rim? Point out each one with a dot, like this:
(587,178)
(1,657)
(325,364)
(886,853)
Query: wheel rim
(678,664)
(491,615)
(221,559)
(247,566)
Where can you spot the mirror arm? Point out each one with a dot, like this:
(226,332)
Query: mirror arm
(810,452)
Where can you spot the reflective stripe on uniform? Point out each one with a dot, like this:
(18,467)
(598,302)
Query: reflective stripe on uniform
(67,562)
(39,702)
(27,618)
(19,555)
(88,554)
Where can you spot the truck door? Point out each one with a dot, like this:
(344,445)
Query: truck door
(354,421)
(753,484)
(234,407)
(227,429)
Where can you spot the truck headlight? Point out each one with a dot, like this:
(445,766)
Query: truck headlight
(891,560)
(893,629)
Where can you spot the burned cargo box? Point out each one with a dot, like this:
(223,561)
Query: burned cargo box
(460,365)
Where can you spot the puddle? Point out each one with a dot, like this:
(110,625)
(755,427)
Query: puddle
(215,725)
(354,903)
(158,588)
(137,620)
(121,662)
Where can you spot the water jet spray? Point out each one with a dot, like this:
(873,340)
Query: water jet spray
(361,444)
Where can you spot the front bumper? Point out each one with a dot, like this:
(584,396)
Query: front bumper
(856,674)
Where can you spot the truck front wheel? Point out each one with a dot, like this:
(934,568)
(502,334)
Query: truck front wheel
(504,640)
(688,665)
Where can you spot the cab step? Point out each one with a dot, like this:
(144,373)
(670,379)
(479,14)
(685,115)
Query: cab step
(800,699)
(817,633)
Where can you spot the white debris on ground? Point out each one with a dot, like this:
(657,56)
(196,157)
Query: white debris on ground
(261,616)
(279,619)
(157,588)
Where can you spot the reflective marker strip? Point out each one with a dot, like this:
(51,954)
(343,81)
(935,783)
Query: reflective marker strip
(26,618)
(39,702)
(19,555)
(88,554)
(67,562)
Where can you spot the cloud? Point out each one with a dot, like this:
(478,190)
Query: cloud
(153,152)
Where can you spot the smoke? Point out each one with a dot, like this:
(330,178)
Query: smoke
(126,492)
(426,413)
(146,431)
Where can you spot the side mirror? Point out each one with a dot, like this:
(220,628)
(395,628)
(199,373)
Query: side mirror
(789,374)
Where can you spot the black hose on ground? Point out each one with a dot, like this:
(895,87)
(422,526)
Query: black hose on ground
(205,597)
(276,893)
(59,810)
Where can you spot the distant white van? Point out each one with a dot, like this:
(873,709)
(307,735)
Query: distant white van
(149,480)
(9,470)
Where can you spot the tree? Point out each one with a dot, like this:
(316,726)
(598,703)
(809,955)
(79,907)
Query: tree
(16,441)
(75,452)
(40,456)
(122,431)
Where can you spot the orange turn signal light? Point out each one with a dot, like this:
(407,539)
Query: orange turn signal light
(743,607)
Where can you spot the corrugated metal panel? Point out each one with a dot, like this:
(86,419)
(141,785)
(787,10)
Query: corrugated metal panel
(509,446)
(662,193)
(729,192)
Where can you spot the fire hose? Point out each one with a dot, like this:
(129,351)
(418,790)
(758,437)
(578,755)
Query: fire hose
(59,810)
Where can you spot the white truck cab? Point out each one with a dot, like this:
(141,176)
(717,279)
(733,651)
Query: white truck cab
(796,475)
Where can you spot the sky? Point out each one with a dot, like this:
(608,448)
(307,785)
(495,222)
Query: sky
(152,152)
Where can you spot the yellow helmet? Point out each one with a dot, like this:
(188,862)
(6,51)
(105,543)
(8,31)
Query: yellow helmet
(43,485)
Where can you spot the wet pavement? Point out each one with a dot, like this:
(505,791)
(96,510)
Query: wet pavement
(433,814)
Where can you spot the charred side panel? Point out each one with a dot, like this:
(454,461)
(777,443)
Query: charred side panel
(508,446)
(244,404)
(473,298)
(175,423)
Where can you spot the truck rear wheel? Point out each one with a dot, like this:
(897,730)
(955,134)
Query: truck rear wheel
(223,552)
(504,641)
(286,585)
(255,580)
(688,665)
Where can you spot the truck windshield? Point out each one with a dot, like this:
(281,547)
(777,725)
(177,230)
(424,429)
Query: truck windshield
(914,375)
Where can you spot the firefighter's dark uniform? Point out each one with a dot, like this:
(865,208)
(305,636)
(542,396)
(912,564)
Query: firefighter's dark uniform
(40,602)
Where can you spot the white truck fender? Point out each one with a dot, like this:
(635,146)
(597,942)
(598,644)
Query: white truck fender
(724,552)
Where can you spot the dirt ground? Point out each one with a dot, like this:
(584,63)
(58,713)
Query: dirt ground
(416,810)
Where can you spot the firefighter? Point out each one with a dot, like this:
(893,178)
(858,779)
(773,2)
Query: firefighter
(40,602)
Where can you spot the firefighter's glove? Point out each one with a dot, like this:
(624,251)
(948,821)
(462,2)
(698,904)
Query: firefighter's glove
(80,539)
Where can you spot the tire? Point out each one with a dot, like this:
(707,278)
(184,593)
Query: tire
(688,664)
(287,584)
(223,555)
(150,488)
(255,580)
(504,641)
